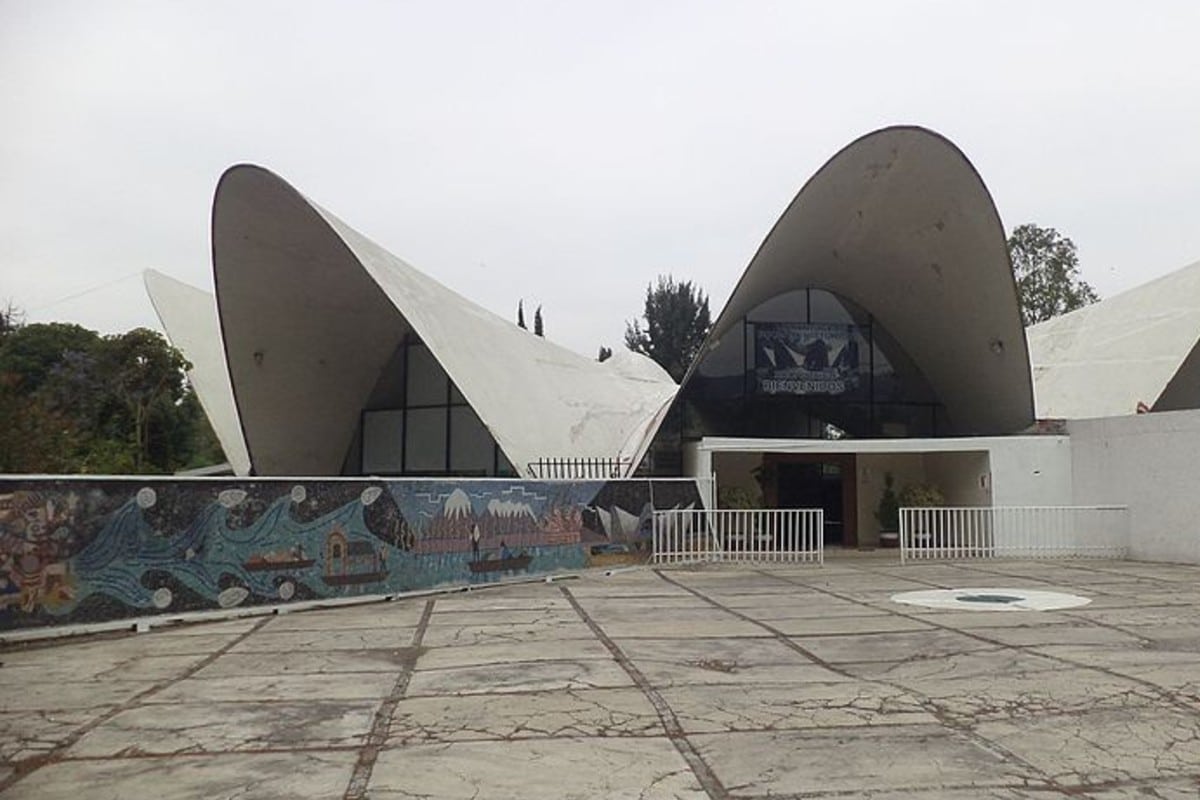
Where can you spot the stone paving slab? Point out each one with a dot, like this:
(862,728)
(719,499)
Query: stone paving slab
(68,696)
(499,633)
(509,652)
(531,676)
(553,769)
(261,776)
(374,616)
(1014,694)
(892,647)
(26,672)
(844,626)
(540,715)
(355,639)
(776,707)
(853,761)
(1103,745)
(281,688)
(227,727)
(304,662)
(726,682)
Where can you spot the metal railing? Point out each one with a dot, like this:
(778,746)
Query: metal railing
(581,469)
(1014,532)
(758,535)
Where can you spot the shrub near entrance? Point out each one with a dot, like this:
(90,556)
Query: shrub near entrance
(888,514)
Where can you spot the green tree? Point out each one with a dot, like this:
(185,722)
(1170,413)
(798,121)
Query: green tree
(538,330)
(1046,268)
(146,375)
(31,352)
(75,402)
(33,439)
(521,314)
(11,318)
(676,320)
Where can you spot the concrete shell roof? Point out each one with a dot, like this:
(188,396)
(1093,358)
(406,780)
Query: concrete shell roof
(311,311)
(189,316)
(900,223)
(1140,346)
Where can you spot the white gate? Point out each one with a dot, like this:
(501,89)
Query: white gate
(1014,532)
(771,535)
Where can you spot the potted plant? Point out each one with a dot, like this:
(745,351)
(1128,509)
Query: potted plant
(888,514)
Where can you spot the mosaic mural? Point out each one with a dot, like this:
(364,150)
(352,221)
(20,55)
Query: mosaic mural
(74,551)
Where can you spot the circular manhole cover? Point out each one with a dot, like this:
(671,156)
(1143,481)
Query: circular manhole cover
(1006,599)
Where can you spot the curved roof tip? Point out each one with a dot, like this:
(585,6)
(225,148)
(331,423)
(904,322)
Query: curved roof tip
(188,315)
(900,222)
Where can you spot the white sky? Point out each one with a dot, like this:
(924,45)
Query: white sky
(567,153)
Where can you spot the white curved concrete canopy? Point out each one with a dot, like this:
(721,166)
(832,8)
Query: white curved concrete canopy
(1140,346)
(311,311)
(189,316)
(900,223)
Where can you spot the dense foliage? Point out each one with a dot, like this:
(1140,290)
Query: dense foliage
(676,323)
(1046,268)
(74,401)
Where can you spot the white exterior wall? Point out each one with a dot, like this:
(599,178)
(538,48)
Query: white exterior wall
(1149,463)
(1031,471)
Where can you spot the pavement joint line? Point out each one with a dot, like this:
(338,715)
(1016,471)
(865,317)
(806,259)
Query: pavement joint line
(933,708)
(356,788)
(28,766)
(774,632)
(704,774)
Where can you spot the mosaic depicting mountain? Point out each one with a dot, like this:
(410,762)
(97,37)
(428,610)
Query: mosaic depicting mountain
(520,515)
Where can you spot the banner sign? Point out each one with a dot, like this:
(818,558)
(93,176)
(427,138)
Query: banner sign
(806,358)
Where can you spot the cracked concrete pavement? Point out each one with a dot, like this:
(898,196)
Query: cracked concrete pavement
(701,682)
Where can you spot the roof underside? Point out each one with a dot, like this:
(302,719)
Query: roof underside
(900,223)
(311,311)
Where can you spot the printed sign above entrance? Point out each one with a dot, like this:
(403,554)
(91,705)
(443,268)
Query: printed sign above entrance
(807,358)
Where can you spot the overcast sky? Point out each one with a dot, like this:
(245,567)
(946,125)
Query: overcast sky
(567,153)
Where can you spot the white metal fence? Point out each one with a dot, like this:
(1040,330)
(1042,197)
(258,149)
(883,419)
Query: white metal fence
(772,535)
(1014,532)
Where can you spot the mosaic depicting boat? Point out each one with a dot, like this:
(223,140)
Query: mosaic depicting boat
(500,564)
(265,562)
(349,562)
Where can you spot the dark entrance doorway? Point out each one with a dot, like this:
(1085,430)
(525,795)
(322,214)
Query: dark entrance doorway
(823,481)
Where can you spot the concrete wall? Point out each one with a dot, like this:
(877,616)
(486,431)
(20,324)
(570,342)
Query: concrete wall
(95,550)
(1149,463)
(1031,471)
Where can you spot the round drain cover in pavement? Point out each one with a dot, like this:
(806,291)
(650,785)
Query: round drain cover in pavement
(992,599)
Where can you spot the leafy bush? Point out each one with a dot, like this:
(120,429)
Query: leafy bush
(888,510)
(921,495)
